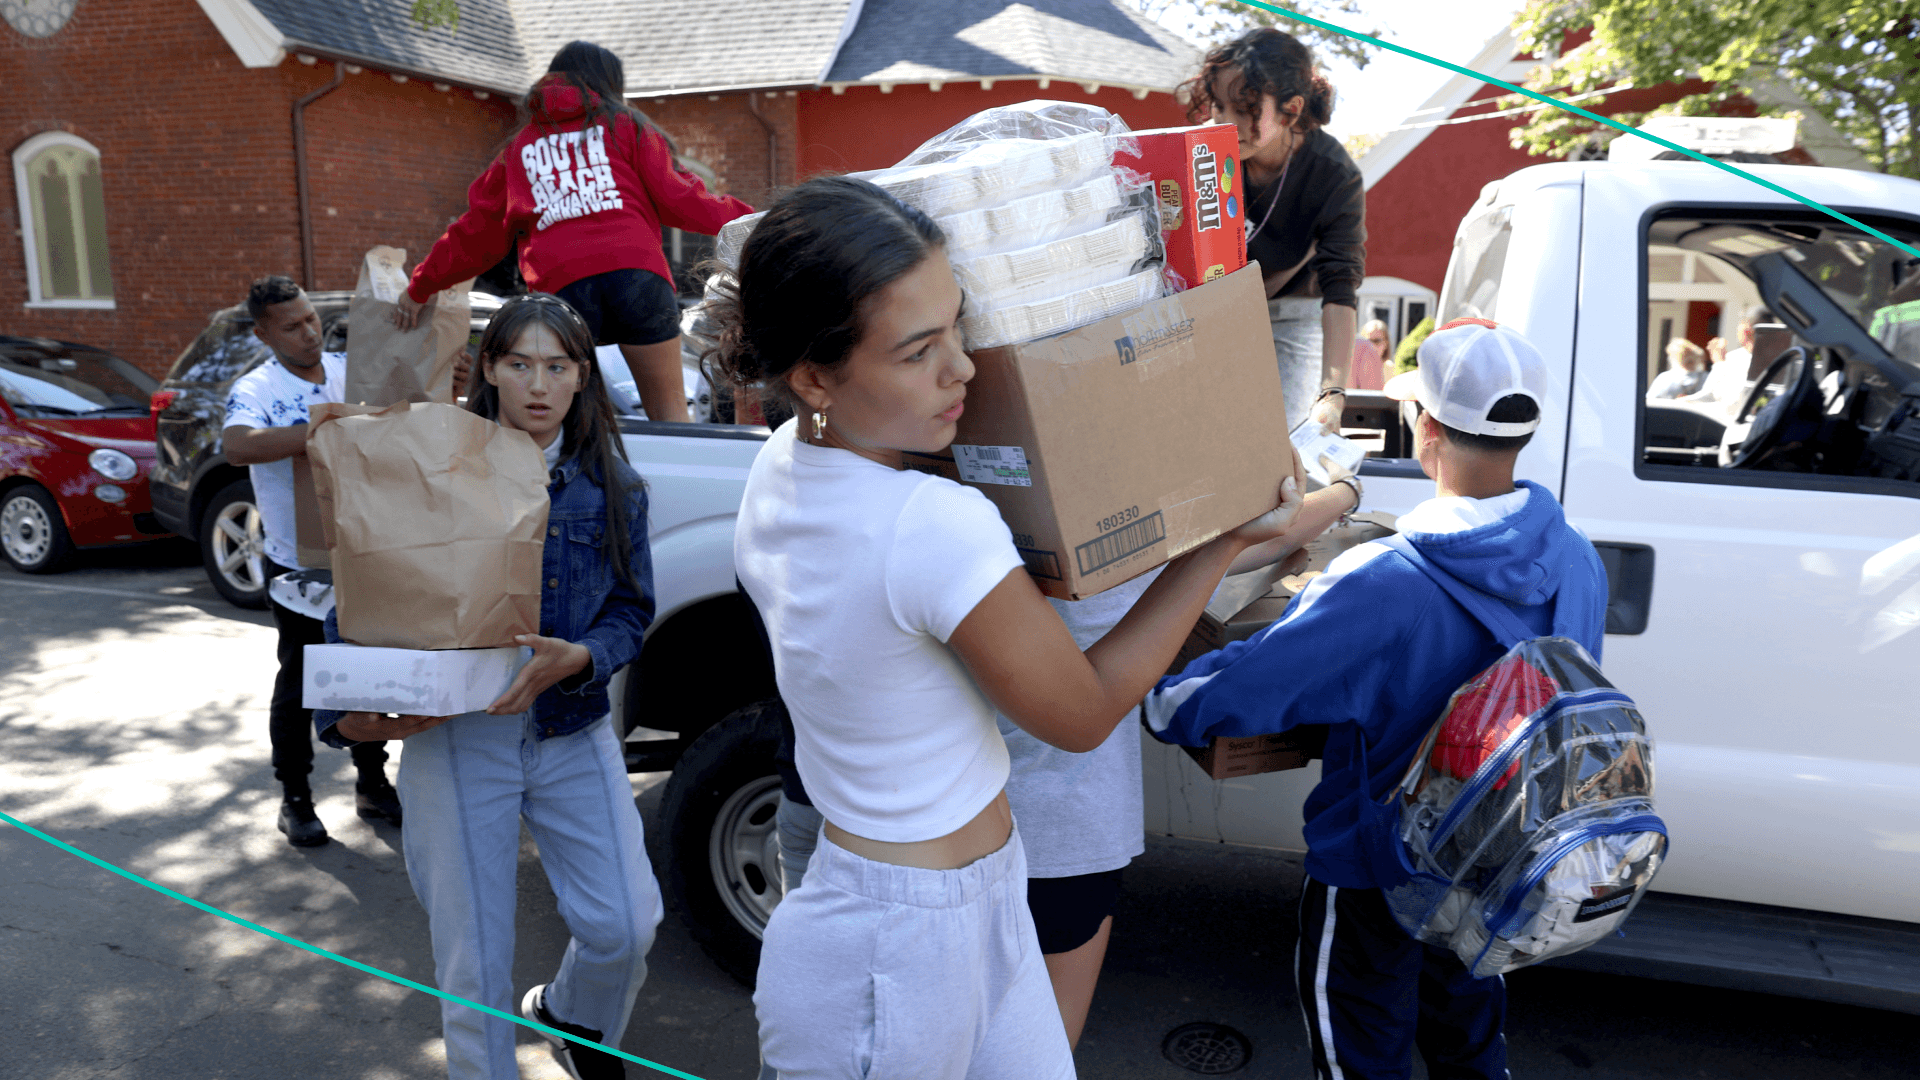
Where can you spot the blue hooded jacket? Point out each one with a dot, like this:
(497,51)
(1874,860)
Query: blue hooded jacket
(1375,649)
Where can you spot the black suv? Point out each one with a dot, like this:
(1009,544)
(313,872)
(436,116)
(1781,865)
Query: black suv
(196,492)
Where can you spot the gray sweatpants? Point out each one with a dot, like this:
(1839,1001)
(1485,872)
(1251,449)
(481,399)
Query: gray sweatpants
(871,970)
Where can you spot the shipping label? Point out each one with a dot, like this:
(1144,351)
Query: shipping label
(992,465)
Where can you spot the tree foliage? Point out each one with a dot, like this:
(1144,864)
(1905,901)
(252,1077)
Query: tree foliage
(1855,61)
(1220,19)
(432,13)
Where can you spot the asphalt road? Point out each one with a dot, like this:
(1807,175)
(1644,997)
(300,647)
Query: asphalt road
(133,726)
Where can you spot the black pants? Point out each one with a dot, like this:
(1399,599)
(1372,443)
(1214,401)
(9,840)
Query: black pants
(1372,994)
(289,725)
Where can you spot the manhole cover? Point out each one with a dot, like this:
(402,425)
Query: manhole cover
(1210,1049)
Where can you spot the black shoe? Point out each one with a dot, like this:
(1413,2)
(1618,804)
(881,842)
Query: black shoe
(377,800)
(581,1062)
(299,822)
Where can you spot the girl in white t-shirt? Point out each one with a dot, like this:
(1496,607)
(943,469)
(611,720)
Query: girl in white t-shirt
(901,617)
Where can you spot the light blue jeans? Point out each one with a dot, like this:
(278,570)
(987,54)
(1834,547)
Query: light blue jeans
(1297,348)
(467,785)
(799,828)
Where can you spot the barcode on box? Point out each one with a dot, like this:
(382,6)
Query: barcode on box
(1110,548)
(992,465)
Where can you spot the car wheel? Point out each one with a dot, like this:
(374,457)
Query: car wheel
(33,535)
(719,842)
(233,546)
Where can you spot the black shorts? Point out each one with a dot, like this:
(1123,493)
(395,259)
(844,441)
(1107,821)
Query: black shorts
(626,307)
(1068,911)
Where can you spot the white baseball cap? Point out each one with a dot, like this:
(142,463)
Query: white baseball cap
(1466,366)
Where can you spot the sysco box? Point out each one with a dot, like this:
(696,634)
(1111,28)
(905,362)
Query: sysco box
(1196,174)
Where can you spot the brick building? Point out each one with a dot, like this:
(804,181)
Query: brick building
(158,147)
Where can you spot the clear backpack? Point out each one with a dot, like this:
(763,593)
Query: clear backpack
(1525,827)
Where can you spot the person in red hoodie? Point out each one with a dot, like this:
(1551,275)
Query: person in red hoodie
(585,187)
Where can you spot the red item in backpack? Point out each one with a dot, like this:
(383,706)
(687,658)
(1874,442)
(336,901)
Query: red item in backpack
(1484,712)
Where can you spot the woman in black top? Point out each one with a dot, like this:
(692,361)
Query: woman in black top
(1306,204)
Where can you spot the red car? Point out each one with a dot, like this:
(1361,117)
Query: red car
(76,445)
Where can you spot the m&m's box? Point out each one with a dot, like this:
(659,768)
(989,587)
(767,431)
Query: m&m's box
(1195,171)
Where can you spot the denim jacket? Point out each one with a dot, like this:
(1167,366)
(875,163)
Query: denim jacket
(581,600)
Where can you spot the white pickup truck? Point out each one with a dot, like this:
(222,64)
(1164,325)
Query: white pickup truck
(1764,567)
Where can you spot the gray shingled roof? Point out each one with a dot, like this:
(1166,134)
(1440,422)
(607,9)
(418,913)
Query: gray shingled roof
(674,46)
(485,51)
(681,46)
(1080,40)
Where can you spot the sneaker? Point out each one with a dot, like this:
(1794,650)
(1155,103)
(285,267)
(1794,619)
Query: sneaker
(581,1062)
(300,823)
(377,801)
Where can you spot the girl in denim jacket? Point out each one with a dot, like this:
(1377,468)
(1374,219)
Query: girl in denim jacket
(547,752)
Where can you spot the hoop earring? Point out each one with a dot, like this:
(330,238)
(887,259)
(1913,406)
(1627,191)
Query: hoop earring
(819,425)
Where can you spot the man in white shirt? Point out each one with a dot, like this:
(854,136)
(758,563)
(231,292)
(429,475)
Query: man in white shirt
(266,429)
(1727,382)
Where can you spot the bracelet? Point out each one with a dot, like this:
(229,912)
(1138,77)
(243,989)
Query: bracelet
(1359,493)
(1329,392)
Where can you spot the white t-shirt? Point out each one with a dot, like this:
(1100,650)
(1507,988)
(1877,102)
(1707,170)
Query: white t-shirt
(270,396)
(1727,380)
(862,572)
(1081,813)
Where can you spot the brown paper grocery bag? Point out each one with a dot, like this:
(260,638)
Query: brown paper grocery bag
(310,539)
(386,364)
(437,517)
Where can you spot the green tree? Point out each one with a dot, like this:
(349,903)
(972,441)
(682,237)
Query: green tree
(1220,19)
(1855,62)
(432,13)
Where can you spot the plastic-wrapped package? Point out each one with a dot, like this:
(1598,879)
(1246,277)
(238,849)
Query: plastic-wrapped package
(991,173)
(1043,318)
(1067,265)
(1037,119)
(732,237)
(1527,818)
(1038,219)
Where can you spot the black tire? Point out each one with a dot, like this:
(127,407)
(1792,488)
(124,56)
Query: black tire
(231,538)
(33,535)
(718,838)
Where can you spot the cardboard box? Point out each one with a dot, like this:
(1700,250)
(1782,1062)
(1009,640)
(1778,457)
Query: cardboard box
(414,682)
(1196,174)
(1255,754)
(1115,447)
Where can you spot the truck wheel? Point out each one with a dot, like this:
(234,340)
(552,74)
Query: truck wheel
(233,546)
(33,535)
(719,842)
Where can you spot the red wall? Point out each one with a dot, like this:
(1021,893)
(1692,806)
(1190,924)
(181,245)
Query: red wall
(197,168)
(1413,211)
(720,131)
(866,129)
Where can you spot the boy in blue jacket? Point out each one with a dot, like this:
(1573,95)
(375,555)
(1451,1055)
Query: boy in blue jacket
(1374,649)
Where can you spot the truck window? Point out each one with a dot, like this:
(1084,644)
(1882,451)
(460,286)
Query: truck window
(1782,350)
(1472,289)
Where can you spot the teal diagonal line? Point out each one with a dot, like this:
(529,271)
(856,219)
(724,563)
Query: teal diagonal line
(1577,110)
(336,957)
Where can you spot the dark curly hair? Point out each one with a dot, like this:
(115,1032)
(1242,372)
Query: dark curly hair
(806,274)
(1268,61)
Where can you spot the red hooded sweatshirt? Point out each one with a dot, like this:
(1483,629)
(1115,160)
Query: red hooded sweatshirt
(582,199)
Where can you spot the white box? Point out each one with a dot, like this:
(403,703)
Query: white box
(414,682)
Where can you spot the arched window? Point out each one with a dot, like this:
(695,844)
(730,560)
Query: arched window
(63,217)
